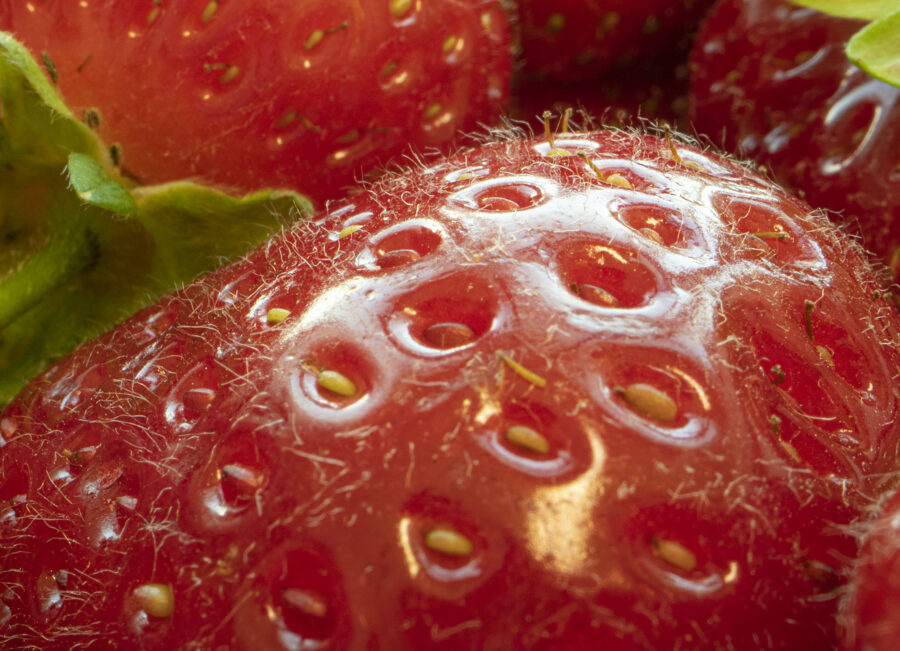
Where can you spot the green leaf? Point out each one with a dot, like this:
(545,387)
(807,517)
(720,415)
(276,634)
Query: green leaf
(876,49)
(862,9)
(94,186)
(82,249)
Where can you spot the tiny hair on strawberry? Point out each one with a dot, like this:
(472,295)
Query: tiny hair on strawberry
(585,389)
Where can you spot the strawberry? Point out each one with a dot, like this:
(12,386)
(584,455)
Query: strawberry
(597,391)
(250,93)
(656,91)
(872,617)
(770,81)
(572,40)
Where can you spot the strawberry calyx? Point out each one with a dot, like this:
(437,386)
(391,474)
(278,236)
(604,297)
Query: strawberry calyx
(84,246)
(876,47)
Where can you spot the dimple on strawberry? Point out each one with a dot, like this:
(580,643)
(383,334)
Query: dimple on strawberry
(597,390)
(247,94)
(770,81)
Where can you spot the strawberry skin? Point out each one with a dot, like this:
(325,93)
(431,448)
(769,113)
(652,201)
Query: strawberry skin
(306,94)
(517,399)
(770,81)
(872,617)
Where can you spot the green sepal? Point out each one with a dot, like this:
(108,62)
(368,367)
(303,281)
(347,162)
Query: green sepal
(93,185)
(862,9)
(876,49)
(82,248)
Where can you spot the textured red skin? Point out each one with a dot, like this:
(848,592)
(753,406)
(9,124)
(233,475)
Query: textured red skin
(597,37)
(872,622)
(161,96)
(770,81)
(117,466)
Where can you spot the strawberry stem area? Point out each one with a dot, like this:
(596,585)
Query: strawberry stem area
(64,256)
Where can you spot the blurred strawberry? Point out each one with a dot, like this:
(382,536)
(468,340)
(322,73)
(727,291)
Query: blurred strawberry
(770,81)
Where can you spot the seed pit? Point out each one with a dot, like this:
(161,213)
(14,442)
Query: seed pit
(658,223)
(444,315)
(234,481)
(192,397)
(765,230)
(337,376)
(300,598)
(532,438)
(606,275)
(501,195)
(401,245)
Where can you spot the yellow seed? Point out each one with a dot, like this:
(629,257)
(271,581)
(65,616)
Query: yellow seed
(651,234)
(791,450)
(349,230)
(617,179)
(277,315)
(156,599)
(388,69)
(826,355)
(305,601)
(230,73)
(314,39)
(649,401)
(337,383)
(432,111)
(286,119)
(531,376)
(555,23)
(448,542)
(399,7)
(153,15)
(527,438)
(449,44)
(675,554)
(210,11)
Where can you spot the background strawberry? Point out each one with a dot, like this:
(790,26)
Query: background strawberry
(518,399)
(249,93)
(770,81)
(573,40)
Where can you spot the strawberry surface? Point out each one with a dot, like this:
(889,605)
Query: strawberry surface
(770,80)
(517,399)
(872,620)
(572,40)
(249,93)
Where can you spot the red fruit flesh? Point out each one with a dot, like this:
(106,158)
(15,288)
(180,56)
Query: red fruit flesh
(249,93)
(770,80)
(572,40)
(515,400)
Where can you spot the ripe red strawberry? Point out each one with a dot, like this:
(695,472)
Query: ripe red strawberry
(872,618)
(627,399)
(770,80)
(252,93)
(581,39)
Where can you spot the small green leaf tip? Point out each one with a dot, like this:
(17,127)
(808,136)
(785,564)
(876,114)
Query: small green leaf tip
(94,186)
(862,9)
(876,49)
